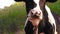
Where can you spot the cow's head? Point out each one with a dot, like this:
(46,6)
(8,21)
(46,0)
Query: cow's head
(35,7)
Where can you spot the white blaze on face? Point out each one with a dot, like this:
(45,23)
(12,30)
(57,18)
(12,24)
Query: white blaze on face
(6,3)
(36,1)
(37,8)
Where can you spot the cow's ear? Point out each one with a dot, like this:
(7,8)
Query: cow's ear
(51,0)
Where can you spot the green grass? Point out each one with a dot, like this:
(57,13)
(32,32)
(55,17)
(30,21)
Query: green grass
(15,16)
(55,7)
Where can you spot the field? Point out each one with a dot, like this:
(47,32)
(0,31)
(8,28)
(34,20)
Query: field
(13,18)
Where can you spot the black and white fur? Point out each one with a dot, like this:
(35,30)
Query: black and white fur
(46,27)
(51,24)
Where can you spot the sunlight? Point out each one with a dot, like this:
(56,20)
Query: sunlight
(6,3)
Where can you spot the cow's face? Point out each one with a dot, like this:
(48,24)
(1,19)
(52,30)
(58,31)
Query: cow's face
(36,11)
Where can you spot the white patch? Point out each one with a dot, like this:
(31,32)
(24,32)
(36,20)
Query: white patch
(27,18)
(56,32)
(26,21)
(51,18)
(36,1)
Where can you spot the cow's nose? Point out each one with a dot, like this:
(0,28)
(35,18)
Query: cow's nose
(38,13)
(35,12)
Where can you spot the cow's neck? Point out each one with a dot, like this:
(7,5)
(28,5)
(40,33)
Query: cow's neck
(45,14)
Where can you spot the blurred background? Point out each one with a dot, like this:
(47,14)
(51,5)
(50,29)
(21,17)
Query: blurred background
(12,17)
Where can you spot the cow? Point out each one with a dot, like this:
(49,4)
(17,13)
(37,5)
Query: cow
(40,19)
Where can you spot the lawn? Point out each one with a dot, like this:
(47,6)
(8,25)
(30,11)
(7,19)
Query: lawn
(55,7)
(13,18)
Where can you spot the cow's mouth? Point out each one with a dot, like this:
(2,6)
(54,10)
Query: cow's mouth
(35,16)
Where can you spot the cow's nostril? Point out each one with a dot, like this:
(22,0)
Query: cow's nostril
(40,13)
(31,13)
(36,13)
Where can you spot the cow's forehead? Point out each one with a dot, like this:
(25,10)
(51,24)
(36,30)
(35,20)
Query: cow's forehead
(36,1)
